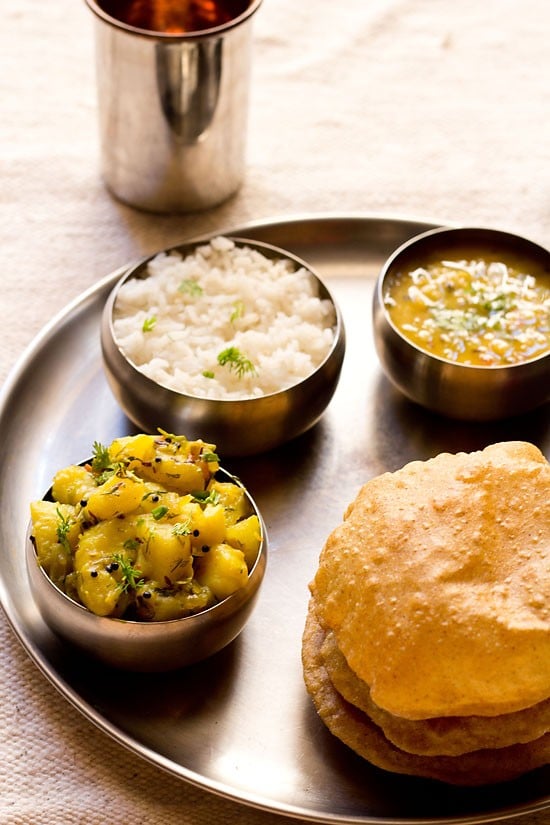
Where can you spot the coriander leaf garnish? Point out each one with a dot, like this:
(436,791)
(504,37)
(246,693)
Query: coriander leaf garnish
(238,311)
(191,287)
(109,472)
(131,578)
(182,528)
(104,468)
(208,374)
(235,360)
(206,496)
(131,544)
(102,465)
(62,530)
(149,323)
(456,319)
(101,459)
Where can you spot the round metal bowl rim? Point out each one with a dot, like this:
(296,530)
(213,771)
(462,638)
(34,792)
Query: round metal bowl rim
(339,329)
(445,230)
(165,622)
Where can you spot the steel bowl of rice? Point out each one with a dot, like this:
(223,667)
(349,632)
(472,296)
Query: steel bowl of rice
(227,339)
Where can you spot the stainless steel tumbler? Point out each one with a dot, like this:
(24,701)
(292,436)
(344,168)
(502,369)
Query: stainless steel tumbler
(173,111)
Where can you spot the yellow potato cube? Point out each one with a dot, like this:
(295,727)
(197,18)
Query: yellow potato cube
(159,500)
(104,563)
(163,605)
(100,591)
(73,484)
(117,496)
(174,473)
(164,555)
(206,524)
(232,498)
(210,525)
(179,464)
(223,570)
(140,447)
(55,530)
(106,539)
(247,536)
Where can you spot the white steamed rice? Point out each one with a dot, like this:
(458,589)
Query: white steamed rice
(173,324)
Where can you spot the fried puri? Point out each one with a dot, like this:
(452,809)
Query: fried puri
(444,735)
(429,623)
(361,734)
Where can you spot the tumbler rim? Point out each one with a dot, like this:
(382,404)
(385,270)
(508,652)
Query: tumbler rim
(95,7)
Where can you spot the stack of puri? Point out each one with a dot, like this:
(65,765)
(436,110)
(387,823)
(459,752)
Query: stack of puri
(427,642)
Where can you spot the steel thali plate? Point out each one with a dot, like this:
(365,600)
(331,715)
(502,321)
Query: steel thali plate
(265,745)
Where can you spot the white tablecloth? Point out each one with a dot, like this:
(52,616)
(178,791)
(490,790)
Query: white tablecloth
(427,108)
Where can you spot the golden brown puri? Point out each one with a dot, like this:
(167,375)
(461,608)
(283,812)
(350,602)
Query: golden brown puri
(445,735)
(437,584)
(360,733)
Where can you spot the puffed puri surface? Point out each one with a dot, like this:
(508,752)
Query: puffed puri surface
(436,585)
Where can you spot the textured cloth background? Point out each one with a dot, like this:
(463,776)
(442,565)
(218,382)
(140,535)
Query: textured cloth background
(428,108)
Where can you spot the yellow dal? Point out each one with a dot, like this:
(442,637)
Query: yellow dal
(474,310)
